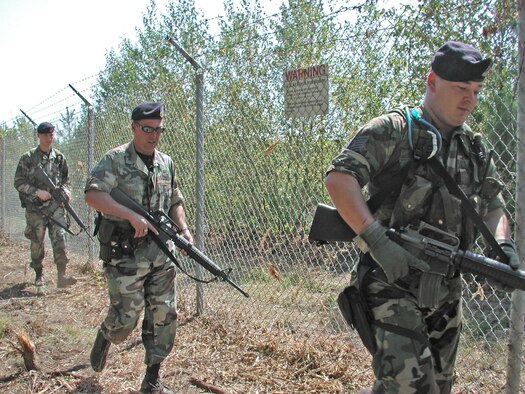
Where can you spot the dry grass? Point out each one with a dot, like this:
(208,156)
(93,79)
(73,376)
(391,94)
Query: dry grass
(220,351)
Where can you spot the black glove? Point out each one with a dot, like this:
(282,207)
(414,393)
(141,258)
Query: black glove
(507,245)
(393,259)
(510,250)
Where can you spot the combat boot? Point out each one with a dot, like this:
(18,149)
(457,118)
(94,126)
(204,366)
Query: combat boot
(39,277)
(63,279)
(99,352)
(151,383)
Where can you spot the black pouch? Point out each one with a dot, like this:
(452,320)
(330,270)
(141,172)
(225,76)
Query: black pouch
(355,311)
(105,233)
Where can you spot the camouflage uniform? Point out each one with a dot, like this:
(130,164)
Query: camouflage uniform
(419,357)
(143,277)
(43,214)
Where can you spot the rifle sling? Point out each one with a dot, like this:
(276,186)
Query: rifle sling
(50,217)
(455,190)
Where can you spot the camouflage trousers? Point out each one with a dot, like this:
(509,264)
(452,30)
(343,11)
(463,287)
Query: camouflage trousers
(136,284)
(35,231)
(419,358)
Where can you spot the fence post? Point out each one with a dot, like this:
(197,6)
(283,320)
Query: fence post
(199,141)
(90,164)
(35,138)
(90,153)
(518,302)
(3,189)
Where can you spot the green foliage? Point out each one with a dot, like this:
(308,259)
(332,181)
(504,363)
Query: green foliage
(263,170)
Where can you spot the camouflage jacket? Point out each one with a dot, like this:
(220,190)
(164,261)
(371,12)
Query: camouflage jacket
(54,165)
(122,167)
(380,151)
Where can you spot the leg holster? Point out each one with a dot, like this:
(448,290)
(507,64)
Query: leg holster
(354,308)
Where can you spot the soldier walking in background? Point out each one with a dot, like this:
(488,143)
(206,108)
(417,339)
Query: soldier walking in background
(139,275)
(415,304)
(41,212)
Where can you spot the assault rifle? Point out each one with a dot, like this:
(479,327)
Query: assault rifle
(169,231)
(60,198)
(329,226)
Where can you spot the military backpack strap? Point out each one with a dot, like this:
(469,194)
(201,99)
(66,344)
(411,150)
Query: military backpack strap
(392,186)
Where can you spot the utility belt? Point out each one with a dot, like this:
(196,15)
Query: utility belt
(117,240)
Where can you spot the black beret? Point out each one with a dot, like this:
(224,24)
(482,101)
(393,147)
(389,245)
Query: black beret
(148,110)
(45,128)
(459,62)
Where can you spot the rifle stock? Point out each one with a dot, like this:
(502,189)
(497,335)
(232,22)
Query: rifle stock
(328,226)
(168,230)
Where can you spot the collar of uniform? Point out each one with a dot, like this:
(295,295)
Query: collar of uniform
(52,153)
(135,158)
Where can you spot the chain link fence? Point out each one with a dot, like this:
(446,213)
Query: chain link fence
(263,172)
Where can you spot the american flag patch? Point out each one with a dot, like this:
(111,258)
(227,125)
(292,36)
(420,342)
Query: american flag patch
(358,143)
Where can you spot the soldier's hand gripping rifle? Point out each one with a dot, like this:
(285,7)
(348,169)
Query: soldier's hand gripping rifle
(61,199)
(168,230)
(329,226)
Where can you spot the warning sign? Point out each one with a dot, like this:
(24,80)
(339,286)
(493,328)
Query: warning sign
(306,91)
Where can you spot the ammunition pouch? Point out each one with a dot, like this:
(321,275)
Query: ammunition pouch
(356,313)
(115,241)
(413,200)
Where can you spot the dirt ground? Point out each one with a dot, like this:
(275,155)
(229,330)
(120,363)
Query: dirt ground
(215,352)
(219,351)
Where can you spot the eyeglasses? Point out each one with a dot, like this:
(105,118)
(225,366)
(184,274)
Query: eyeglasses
(149,129)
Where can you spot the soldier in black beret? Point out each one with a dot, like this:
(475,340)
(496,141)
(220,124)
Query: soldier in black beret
(148,110)
(147,283)
(414,308)
(459,62)
(45,128)
(42,213)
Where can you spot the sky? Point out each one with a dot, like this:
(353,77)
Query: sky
(48,44)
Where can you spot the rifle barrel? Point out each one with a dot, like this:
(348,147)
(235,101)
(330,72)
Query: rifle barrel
(491,269)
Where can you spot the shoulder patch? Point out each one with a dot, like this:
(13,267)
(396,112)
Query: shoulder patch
(358,143)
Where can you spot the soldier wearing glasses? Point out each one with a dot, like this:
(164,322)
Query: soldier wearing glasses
(139,275)
(41,213)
